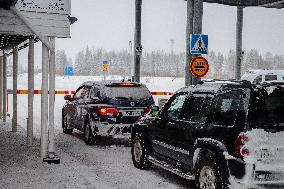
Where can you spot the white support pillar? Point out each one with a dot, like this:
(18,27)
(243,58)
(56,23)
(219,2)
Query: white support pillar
(197,27)
(239,39)
(51,99)
(1,85)
(189,31)
(137,40)
(31,93)
(4,87)
(44,101)
(15,87)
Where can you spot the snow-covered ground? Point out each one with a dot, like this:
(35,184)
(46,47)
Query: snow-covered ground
(106,164)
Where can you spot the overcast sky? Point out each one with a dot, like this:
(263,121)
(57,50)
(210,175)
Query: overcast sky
(109,24)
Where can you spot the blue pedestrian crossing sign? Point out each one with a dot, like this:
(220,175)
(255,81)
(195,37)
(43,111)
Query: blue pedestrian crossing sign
(199,44)
(69,71)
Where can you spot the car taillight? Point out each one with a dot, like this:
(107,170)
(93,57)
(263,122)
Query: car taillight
(240,150)
(147,110)
(106,111)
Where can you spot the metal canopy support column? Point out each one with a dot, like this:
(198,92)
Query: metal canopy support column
(239,38)
(51,99)
(197,26)
(4,87)
(15,87)
(137,40)
(44,101)
(52,158)
(189,31)
(1,85)
(31,92)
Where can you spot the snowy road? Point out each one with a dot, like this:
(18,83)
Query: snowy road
(105,165)
(108,164)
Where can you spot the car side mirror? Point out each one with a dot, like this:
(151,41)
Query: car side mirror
(154,110)
(68,97)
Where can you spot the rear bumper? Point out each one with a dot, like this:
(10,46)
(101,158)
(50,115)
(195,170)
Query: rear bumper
(113,130)
(268,174)
(257,176)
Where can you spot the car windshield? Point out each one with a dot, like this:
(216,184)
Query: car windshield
(249,77)
(127,92)
(269,108)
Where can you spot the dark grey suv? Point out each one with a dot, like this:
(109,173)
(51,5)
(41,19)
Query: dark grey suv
(218,133)
(106,108)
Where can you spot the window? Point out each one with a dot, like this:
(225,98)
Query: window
(94,92)
(197,108)
(192,107)
(82,93)
(175,107)
(79,93)
(270,77)
(267,109)
(204,111)
(258,79)
(85,93)
(123,92)
(226,108)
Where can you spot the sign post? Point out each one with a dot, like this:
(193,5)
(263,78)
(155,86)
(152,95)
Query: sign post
(105,68)
(199,66)
(69,71)
(199,44)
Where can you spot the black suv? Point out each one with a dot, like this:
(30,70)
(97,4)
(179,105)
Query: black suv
(106,108)
(216,133)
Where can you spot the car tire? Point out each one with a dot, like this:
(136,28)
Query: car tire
(89,136)
(210,173)
(140,152)
(65,125)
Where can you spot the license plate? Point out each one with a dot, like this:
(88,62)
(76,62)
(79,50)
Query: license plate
(131,113)
(269,155)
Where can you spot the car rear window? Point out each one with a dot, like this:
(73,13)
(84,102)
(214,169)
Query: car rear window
(268,110)
(127,92)
(270,77)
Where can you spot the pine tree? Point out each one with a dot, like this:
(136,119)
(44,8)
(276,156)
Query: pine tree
(79,61)
(60,62)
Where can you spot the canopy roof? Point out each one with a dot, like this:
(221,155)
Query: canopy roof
(6,4)
(11,36)
(250,3)
(11,40)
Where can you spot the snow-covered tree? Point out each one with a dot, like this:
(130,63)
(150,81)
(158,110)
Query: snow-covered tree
(61,62)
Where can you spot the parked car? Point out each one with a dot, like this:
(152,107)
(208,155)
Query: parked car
(216,132)
(260,76)
(106,108)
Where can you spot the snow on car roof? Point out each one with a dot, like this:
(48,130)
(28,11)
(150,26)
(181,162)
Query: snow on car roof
(209,86)
(106,82)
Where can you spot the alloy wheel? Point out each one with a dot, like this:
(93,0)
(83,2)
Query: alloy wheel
(207,178)
(137,150)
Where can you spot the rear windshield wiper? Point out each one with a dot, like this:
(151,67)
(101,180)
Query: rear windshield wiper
(123,98)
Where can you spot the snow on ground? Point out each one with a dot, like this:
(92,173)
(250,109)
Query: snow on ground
(101,166)
(107,164)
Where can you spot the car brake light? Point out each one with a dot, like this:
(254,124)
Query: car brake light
(240,150)
(147,110)
(127,84)
(106,111)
